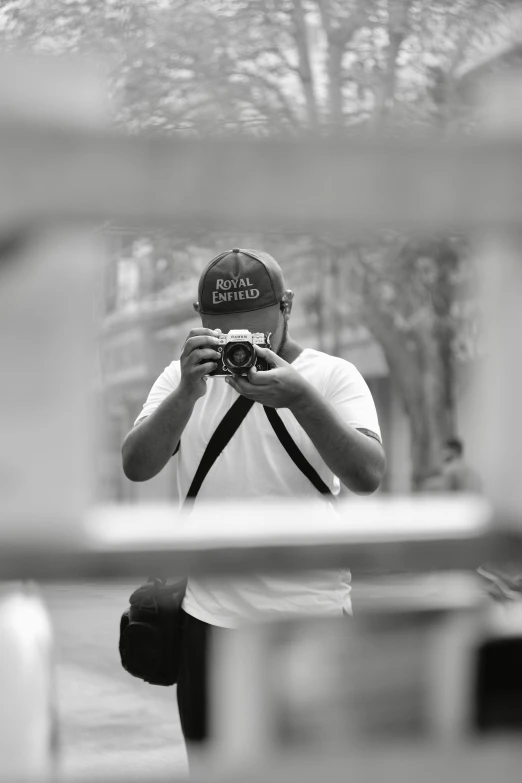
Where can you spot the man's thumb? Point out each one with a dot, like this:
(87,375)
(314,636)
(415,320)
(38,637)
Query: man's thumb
(271,357)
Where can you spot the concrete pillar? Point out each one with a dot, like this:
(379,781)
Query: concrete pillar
(48,373)
(46,306)
(498,403)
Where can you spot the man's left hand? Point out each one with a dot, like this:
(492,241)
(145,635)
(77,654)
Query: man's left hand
(279,387)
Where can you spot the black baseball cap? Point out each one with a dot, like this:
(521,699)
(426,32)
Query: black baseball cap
(237,282)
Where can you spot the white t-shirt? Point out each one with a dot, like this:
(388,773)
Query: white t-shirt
(261,468)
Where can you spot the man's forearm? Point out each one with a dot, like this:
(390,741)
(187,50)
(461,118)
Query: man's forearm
(355,458)
(149,446)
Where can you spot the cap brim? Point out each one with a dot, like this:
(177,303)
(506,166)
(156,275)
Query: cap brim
(264,320)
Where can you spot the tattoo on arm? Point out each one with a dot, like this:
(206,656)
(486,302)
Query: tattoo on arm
(369,433)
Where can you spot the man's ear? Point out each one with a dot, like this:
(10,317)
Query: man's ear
(195,305)
(287,302)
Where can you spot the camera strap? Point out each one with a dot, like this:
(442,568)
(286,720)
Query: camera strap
(295,454)
(223,434)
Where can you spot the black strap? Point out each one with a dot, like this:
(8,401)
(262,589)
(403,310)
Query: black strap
(225,431)
(295,454)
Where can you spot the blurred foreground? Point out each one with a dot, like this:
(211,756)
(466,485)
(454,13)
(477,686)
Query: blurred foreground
(395,675)
(110,723)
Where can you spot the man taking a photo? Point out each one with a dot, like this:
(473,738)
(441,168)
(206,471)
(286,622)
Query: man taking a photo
(328,411)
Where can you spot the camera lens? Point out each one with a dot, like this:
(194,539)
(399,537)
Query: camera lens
(238,356)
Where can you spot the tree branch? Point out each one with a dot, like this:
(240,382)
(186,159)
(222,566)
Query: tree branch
(338,37)
(272,88)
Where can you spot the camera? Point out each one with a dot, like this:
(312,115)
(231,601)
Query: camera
(238,353)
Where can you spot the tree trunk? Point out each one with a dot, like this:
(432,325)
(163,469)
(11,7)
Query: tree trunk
(385,98)
(337,287)
(335,83)
(338,37)
(305,69)
(321,307)
(420,375)
(397,29)
(420,360)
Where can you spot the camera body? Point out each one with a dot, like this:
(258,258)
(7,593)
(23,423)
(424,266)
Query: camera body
(238,353)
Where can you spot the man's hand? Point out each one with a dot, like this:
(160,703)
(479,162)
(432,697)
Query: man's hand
(355,458)
(198,358)
(279,387)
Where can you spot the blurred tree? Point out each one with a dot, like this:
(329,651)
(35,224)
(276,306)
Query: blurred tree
(416,296)
(309,66)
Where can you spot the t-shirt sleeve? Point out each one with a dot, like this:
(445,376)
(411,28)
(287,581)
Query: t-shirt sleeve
(163,386)
(349,394)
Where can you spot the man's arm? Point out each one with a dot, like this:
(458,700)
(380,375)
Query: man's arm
(358,460)
(149,446)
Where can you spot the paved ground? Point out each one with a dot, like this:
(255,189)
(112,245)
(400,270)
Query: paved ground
(113,723)
(110,722)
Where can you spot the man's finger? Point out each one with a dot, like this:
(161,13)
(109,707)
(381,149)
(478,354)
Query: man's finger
(271,357)
(202,331)
(261,377)
(203,369)
(237,383)
(240,385)
(199,341)
(200,355)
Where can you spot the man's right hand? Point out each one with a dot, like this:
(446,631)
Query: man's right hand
(198,358)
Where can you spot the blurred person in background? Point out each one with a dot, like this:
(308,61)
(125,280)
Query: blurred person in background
(457,475)
(434,482)
(327,409)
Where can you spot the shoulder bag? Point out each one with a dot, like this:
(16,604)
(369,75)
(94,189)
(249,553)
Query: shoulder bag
(150,629)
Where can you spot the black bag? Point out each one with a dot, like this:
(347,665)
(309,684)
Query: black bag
(150,632)
(151,629)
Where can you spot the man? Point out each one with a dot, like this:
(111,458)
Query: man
(457,475)
(326,407)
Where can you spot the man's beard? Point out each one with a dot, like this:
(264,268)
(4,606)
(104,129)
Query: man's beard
(283,340)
